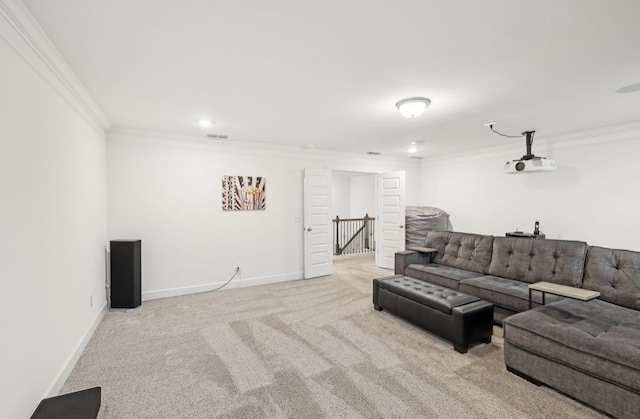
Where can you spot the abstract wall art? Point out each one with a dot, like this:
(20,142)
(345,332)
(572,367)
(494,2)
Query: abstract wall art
(243,193)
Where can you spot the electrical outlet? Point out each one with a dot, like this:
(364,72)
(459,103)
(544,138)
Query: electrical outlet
(91,301)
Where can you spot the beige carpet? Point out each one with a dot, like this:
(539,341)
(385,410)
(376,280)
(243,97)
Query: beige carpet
(301,349)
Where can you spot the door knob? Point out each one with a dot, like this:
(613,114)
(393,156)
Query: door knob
(401,226)
(308,228)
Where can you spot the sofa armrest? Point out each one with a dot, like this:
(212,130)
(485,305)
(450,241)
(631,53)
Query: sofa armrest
(408,257)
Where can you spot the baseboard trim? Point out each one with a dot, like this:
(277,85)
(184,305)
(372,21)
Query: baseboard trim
(236,283)
(66,369)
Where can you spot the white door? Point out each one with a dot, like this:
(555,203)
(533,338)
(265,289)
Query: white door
(390,234)
(318,255)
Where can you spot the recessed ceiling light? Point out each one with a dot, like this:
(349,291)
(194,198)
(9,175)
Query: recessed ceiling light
(629,89)
(412,150)
(413,106)
(205,123)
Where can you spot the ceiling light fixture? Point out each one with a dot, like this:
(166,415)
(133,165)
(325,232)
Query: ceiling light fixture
(205,123)
(412,150)
(413,106)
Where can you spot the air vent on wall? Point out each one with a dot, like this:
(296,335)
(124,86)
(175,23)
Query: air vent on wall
(374,153)
(219,136)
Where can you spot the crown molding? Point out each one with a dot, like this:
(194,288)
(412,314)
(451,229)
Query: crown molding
(23,33)
(576,139)
(183,140)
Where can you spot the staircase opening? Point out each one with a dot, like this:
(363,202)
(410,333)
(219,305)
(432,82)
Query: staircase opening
(354,235)
(353,211)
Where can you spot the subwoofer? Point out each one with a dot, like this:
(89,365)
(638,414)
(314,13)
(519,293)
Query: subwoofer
(126,273)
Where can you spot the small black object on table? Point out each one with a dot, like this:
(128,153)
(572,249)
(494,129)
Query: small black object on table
(523,234)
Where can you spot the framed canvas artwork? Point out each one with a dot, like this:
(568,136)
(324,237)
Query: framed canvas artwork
(243,193)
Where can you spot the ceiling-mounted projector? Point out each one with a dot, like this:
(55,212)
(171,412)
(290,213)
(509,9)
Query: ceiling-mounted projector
(532,165)
(528,162)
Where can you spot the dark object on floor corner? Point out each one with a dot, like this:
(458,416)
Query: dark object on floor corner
(83,404)
(126,273)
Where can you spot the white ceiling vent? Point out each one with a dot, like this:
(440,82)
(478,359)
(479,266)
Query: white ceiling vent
(218,136)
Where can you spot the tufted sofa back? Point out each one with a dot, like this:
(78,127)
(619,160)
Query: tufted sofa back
(471,252)
(615,274)
(533,260)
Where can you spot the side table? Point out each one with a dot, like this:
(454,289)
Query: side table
(427,250)
(562,290)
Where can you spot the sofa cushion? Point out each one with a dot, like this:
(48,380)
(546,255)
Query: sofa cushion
(471,252)
(596,337)
(504,292)
(615,274)
(445,276)
(535,260)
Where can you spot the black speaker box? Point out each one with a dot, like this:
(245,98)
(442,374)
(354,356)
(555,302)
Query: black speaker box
(126,273)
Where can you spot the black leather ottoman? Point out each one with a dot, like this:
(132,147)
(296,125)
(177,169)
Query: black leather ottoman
(459,318)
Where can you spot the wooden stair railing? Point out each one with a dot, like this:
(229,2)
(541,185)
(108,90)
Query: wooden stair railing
(347,230)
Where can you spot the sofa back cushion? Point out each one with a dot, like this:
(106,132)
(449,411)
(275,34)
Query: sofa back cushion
(615,274)
(471,252)
(534,260)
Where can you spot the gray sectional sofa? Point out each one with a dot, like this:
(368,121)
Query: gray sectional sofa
(589,350)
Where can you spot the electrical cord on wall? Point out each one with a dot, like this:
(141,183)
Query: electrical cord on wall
(230,279)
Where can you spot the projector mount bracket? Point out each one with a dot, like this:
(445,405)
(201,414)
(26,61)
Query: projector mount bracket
(528,140)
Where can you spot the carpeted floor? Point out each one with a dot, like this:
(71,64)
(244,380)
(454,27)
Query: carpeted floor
(300,349)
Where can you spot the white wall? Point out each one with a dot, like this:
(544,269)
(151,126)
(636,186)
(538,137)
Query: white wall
(340,196)
(353,194)
(168,193)
(593,196)
(52,233)
(363,196)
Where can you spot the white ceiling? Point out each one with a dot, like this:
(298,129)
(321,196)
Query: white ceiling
(329,73)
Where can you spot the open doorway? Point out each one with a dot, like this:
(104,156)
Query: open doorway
(353,213)
(374,194)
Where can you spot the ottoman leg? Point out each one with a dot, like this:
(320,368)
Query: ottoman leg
(461,349)
(377,308)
